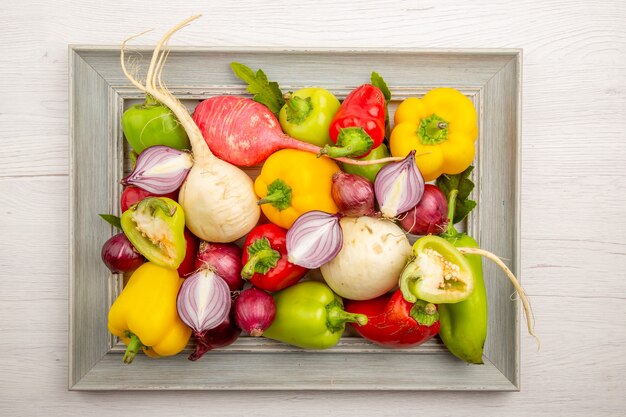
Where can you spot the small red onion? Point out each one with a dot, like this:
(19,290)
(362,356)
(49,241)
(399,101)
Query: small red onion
(119,255)
(399,186)
(255,311)
(225,259)
(203,301)
(223,335)
(188,266)
(314,239)
(353,194)
(430,216)
(160,169)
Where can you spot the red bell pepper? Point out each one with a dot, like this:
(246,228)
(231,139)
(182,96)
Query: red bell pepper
(265,261)
(392,321)
(360,117)
(132,195)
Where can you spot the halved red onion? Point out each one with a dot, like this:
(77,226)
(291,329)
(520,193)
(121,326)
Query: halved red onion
(203,301)
(160,169)
(314,239)
(399,186)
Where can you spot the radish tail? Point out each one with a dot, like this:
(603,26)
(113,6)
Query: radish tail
(528,311)
(156,88)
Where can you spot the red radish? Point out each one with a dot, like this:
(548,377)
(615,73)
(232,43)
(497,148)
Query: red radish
(245,133)
(218,198)
(189,263)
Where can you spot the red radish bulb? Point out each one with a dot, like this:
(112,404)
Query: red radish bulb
(119,255)
(245,133)
(430,216)
(225,259)
(255,311)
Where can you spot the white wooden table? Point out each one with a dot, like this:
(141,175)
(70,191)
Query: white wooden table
(573,195)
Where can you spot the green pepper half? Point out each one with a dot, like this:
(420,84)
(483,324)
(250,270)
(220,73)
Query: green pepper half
(156,228)
(438,273)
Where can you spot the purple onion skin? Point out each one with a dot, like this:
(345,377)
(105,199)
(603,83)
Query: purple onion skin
(119,255)
(255,311)
(162,183)
(225,259)
(223,335)
(353,194)
(430,216)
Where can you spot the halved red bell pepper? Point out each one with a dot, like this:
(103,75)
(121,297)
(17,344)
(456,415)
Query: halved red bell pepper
(392,321)
(361,116)
(265,261)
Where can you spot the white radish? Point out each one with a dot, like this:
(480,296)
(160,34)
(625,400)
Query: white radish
(218,198)
(373,255)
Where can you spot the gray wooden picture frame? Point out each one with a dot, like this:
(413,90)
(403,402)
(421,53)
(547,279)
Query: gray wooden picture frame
(98,93)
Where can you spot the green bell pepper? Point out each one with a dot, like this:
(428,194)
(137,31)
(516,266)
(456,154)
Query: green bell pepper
(311,316)
(437,273)
(151,123)
(369,171)
(156,228)
(463,325)
(307,114)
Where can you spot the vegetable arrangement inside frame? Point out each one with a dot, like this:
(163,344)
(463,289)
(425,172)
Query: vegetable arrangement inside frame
(341,188)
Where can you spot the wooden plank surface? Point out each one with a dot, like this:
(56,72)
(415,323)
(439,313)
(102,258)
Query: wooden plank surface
(573,181)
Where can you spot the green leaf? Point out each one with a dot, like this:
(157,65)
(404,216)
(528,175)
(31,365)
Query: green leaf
(112,220)
(464,185)
(379,82)
(265,92)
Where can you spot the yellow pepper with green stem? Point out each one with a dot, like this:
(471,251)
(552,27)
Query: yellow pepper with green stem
(144,315)
(441,127)
(293,182)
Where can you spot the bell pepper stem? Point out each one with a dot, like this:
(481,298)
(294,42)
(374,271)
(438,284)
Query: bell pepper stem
(424,313)
(337,317)
(351,141)
(409,274)
(258,261)
(150,101)
(298,109)
(432,130)
(278,195)
(132,349)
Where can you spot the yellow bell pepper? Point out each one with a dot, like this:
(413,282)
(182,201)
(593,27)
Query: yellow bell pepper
(293,182)
(144,315)
(441,127)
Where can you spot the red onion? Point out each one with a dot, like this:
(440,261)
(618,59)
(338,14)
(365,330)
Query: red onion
(225,259)
(203,301)
(119,255)
(430,216)
(188,266)
(399,186)
(314,239)
(353,194)
(255,311)
(223,335)
(160,169)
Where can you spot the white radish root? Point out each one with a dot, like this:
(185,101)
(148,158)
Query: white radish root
(528,311)
(218,198)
